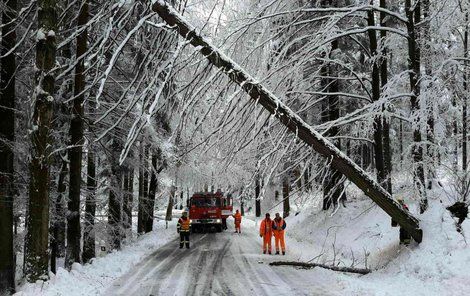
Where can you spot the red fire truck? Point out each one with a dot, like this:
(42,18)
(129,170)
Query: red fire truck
(209,211)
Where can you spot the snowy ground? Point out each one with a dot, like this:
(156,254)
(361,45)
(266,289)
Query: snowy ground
(93,279)
(232,264)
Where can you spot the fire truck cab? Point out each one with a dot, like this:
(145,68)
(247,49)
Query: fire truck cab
(209,211)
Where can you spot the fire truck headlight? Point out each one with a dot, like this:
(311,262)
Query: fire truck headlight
(218,221)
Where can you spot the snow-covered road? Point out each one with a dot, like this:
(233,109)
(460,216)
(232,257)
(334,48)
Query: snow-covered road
(219,264)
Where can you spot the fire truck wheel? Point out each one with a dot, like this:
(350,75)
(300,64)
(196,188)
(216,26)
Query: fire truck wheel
(219,228)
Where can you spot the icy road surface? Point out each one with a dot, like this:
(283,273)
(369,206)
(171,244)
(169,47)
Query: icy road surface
(220,264)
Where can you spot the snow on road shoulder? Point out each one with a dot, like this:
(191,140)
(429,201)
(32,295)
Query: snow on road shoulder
(95,278)
(440,265)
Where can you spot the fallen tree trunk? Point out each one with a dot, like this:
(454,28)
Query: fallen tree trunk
(291,120)
(331,267)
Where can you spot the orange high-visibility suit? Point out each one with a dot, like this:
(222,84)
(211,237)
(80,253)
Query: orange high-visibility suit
(278,229)
(266,231)
(238,221)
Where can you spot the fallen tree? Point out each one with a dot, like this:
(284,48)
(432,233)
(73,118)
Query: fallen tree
(291,120)
(331,267)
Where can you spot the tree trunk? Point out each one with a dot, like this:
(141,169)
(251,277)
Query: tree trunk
(143,189)
(90,207)
(312,265)
(375,76)
(414,17)
(285,196)
(152,191)
(7,137)
(140,206)
(292,121)
(465,89)
(387,150)
(257,198)
(115,198)
(127,202)
(332,188)
(169,209)
(425,40)
(36,251)
(75,152)
(131,198)
(242,202)
(58,224)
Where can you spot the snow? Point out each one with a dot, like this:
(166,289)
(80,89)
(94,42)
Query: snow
(359,234)
(440,265)
(40,35)
(94,278)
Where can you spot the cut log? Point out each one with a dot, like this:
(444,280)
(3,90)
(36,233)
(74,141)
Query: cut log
(331,267)
(291,120)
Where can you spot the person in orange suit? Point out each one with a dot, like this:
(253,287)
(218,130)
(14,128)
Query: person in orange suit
(279,225)
(266,232)
(238,221)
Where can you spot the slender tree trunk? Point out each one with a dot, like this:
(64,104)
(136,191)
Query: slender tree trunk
(91,184)
(332,188)
(152,192)
(141,201)
(58,224)
(400,136)
(75,152)
(285,196)
(257,197)
(130,198)
(387,149)
(126,206)
(115,196)
(414,17)
(143,190)
(378,134)
(465,89)
(146,212)
(242,202)
(169,209)
(7,137)
(425,40)
(36,251)
(90,206)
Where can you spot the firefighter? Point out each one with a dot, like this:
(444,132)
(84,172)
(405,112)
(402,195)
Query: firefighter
(183,228)
(266,232)
(279,225)
(238,221)
(405,237)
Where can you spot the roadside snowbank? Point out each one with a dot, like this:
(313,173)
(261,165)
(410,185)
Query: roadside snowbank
(361,233)
(95,278)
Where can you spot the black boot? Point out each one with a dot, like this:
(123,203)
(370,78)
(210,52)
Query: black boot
(283,252)
(181,246)
(269,252)
(264,252)
(277,252)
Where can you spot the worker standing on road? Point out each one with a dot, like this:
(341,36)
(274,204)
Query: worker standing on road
(183,228)
(279,225)
(266,232)
(238,221)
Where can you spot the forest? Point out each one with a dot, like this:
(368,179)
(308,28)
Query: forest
(112,113)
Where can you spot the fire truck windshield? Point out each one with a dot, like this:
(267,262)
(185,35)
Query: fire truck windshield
(206,202)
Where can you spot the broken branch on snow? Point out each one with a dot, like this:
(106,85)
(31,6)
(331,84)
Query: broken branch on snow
(331,267)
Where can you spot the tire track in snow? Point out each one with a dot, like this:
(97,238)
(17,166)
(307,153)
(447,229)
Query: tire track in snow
(220,264)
